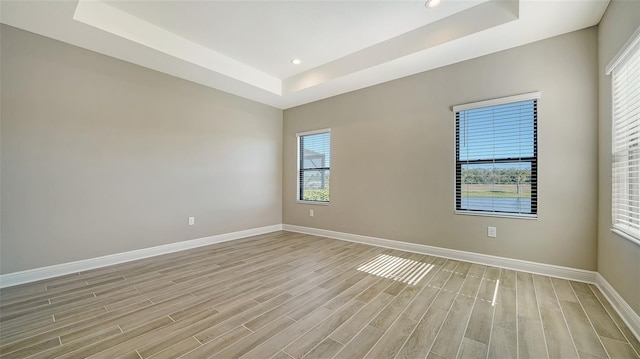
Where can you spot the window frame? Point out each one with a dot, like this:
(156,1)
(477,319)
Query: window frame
(620,59)
(535,96)
(300,170)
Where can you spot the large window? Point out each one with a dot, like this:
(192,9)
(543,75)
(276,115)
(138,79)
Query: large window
(314,165)
(497,157)
(626,140)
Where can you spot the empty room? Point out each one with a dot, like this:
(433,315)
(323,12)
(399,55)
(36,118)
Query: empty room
(320,179)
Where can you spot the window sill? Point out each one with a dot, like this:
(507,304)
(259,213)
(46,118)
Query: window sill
(501,215)
(317,203)
(626,236)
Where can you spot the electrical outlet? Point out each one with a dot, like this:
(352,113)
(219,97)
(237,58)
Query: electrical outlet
(491,232)
(310,213)
(192,221)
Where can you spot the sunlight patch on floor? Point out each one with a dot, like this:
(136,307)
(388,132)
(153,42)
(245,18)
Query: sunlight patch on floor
(396,268)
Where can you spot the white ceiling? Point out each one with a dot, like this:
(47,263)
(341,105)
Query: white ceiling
(266,35)
(245,47)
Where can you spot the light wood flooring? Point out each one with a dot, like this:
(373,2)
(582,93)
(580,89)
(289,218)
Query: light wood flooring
(287,295)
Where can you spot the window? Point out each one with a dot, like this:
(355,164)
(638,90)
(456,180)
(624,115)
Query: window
(625,130)
(314,165)
(497,157)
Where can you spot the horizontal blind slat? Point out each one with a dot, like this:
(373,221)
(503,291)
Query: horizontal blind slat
(314,168)
(626,145)
(485,139)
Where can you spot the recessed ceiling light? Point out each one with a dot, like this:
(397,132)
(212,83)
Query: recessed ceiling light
(296,61)
(432,3)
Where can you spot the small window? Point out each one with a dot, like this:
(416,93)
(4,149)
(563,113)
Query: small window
(625,161)
(314,166)
(497,157)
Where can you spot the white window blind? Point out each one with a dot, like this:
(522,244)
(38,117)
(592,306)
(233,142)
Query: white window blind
(314,165)
(626,140)
(497,157)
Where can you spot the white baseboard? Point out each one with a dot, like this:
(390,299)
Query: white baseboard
(624,310)
(32,275)
(630,317)
(580,275)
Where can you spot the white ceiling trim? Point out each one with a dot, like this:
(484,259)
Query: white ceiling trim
(465,23)
(480,30)
(120,23)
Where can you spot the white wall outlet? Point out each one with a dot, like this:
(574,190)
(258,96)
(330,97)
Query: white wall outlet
(310,213)
(491,232)
(192,221)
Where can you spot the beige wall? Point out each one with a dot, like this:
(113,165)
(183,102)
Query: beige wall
(618,258)
(392,155)
(100,156)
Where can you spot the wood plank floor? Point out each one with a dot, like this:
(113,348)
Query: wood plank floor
(287,295)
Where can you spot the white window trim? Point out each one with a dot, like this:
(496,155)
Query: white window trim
(315,203)
(625,235)
(622,54)
(314,132)
(624,51)
(497,101)
(487,103)
(496,214)
(298,135)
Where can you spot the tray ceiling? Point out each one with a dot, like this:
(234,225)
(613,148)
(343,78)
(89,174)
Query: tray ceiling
(246,47)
